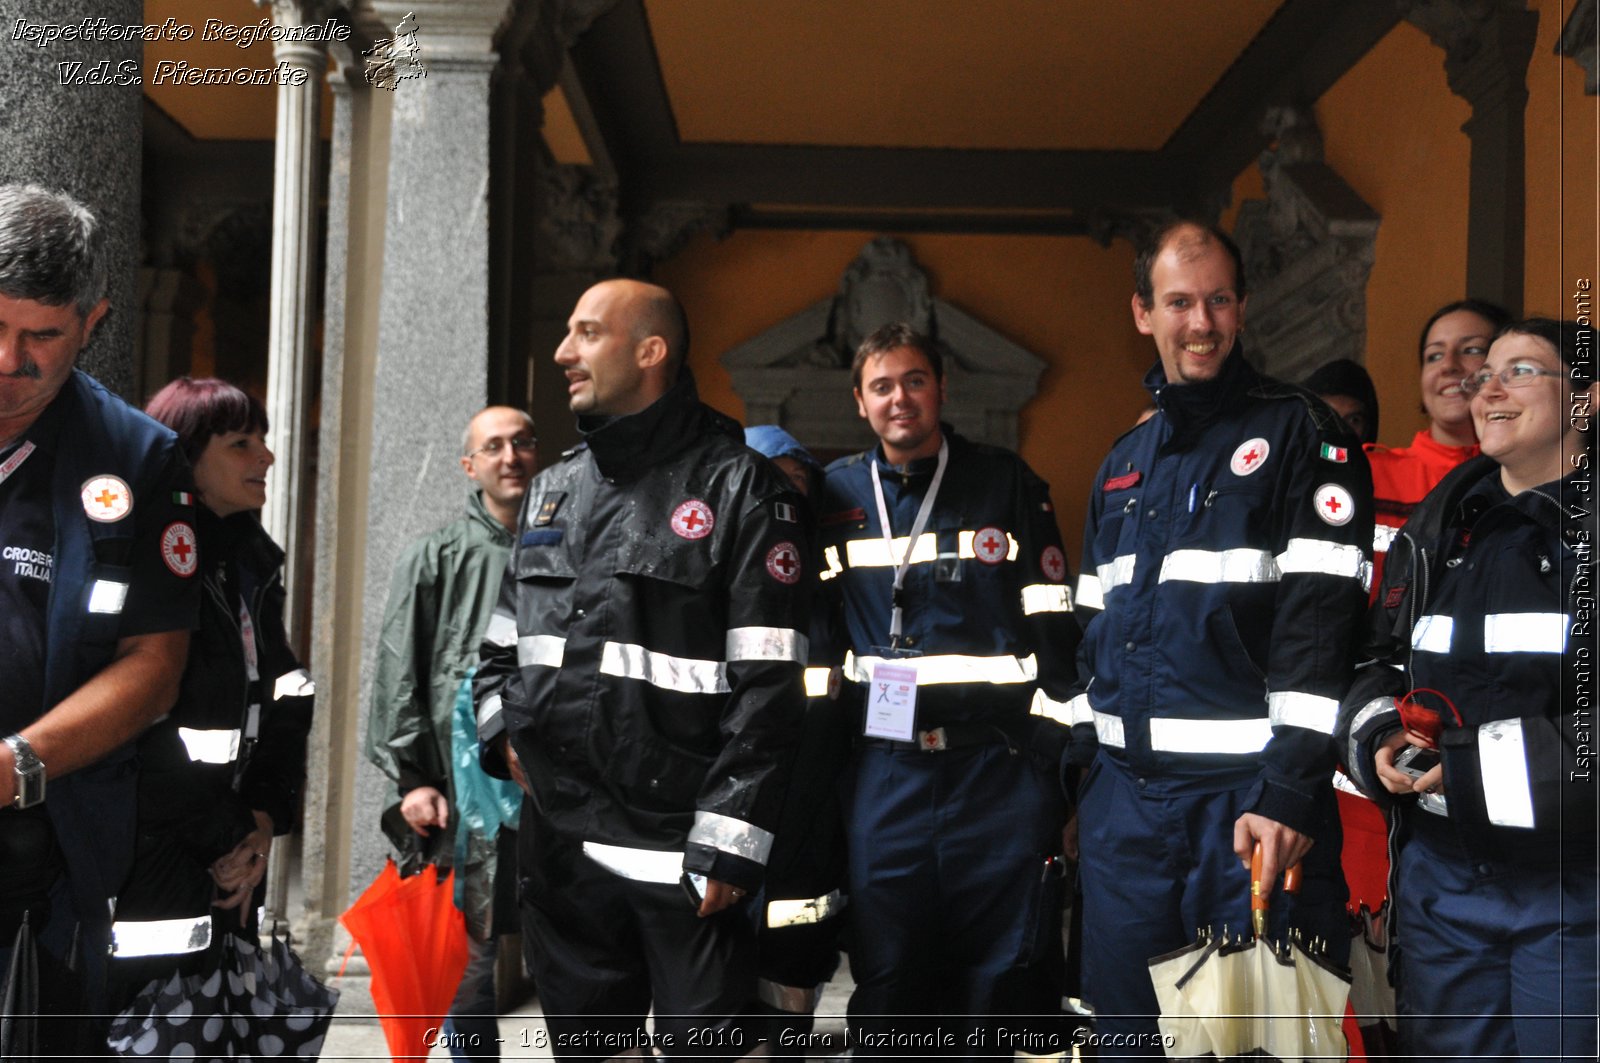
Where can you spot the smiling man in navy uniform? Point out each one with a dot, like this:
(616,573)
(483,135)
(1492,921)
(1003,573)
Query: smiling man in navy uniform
(97,596)
(1225,570)
(645,662)
(945,562)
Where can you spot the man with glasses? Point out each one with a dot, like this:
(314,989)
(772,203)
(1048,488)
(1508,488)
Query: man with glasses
(439,607)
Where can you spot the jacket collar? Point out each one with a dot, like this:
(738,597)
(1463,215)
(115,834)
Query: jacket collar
(624,447)
(921,466)
(1191,408)
(479,513)
(1425,442)
(239,537)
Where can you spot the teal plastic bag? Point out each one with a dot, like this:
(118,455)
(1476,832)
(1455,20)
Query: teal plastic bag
(484,804)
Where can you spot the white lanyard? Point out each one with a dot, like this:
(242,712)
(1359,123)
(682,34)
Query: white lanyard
(896,612)
(247,635)
(13,463)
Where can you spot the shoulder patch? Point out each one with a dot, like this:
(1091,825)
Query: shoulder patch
(843,516)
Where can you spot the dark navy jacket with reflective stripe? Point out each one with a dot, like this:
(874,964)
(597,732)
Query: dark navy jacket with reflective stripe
(1488,598)
(646,653)
(1226,562)
(987,595)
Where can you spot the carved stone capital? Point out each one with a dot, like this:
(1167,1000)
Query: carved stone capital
(578,221)
(1580,42)
(663,230)
(1486,43)
(451,34)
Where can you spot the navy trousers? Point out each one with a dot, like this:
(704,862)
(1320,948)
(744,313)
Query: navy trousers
(1497,959)
(1156,868)
(955,897)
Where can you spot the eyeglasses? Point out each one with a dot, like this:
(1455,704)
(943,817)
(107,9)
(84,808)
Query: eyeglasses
(1515,375)
(521,444)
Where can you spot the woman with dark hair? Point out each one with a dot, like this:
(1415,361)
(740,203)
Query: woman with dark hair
(1458,722)
(221,773)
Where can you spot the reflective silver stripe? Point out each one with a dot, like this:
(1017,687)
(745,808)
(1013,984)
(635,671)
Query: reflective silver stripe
(875,553)
(1116,572)
(1090,595)
(1383,537)
(1046,598)
(1108,729)
(160,937)
(489,711)
(1503,759)
(547,650)
(682,674)
(817,682)
(729,835)
(640,865)
(1209,736)
(1240,565)
(1296,709)
(295,684)
(830,555)
(1372,709)
(502,630)
(1044,705)
(965,540)
(1326,558)
(1434,803)
(1081,710)
(789,998)
(950,668)
(1432,634)
(107,596)
(1341,781)
(805,912)
(767,644)
(210,747)
(1525,633)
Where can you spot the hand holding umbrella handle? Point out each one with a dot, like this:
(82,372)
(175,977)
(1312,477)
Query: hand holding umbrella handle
(1261,891)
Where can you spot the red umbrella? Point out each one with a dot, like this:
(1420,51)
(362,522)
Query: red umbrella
(415,941)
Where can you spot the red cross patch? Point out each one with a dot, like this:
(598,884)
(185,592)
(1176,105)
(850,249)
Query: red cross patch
(177,549)
(1334,504)
(1249,455)
(783,563)
(1053,564)
(989,545)
(106,498)
(693,519)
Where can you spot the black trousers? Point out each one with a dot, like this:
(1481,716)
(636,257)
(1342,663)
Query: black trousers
(604,949)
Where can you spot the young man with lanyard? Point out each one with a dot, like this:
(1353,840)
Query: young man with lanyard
(944,557)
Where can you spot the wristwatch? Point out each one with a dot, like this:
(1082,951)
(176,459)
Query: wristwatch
(29,770)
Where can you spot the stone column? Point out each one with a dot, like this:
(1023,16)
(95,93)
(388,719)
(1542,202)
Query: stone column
(295,188)
(433,334)
(1487,44)
(70,125)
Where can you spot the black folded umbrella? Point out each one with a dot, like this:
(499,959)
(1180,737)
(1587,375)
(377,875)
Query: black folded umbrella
(19,999)
(251,1002)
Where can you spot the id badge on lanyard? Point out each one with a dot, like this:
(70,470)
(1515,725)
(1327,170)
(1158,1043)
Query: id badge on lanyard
(892,697)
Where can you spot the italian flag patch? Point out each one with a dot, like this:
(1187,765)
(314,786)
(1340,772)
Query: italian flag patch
(183,498)
(1332,453)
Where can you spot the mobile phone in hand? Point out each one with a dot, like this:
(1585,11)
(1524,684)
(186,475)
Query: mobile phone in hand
(1416,761)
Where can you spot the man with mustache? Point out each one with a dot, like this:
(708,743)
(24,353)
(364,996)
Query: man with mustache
(97,596)
(1225,568)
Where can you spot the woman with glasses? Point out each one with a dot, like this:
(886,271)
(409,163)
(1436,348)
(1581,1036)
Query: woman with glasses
(1467,720)
(220,775)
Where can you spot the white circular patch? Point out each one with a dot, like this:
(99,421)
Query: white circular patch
(1053,564)
(693,519)
(783,563)
(989,545)
(835,683)
(1334,504)
(106,498)
(1249,456)
(178,549)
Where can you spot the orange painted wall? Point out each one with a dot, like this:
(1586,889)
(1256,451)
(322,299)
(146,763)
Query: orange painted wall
(1563,131)
(1063,298)
(1392,128)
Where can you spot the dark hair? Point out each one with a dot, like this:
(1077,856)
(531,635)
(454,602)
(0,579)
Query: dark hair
(661,314)
(1496,315)
(200,409)
(1155,242)
(892,337)
(1344,376)
(52,249)
(1573,342)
